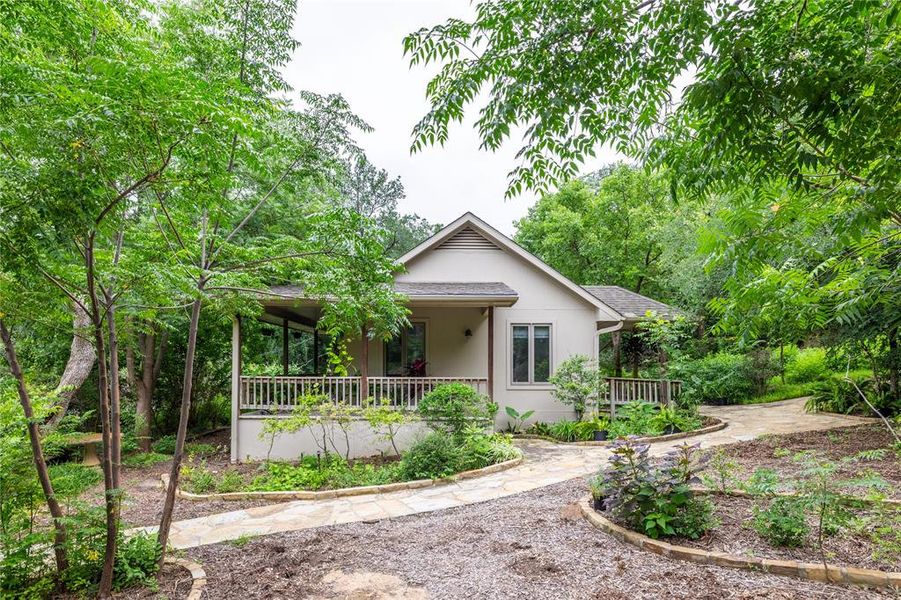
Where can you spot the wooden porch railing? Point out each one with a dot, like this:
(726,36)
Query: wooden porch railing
(621,390)
(281,393)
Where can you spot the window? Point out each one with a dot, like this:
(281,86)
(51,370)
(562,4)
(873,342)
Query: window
(531,353)
(405,354)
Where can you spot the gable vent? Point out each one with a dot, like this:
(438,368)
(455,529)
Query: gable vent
(467,239)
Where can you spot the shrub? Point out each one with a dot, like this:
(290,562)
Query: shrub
(655,499)
(808,365)
(70,480)
(577,383)
(480,449)
(453,406)
(636,418)
(436,455)
(165,445)
(782,523)
(230,481)
(837,394)
(715,379)
(197,479)
(137,561)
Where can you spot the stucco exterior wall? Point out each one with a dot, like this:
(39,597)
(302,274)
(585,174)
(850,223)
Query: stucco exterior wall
(449,352)
(290,446)
(541,300)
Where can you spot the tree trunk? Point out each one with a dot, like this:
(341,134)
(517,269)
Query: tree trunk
(59,539)
(115,392)
(893,360)
(111,504)
(78,367)
(143,381)
(185,413)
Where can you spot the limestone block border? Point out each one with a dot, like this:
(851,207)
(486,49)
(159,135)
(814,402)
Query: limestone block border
(810,571)
(345,492)
(719,425)
(198,575)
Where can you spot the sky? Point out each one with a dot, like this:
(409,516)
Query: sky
(354,47)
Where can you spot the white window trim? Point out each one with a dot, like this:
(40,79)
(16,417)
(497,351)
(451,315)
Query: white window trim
(532,385)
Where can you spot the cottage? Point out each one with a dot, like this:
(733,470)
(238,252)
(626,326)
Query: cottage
(484,312)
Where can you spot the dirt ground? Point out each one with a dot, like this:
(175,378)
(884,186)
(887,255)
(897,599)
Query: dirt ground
(778,452)
(143,503)
(533,545)
(735,535)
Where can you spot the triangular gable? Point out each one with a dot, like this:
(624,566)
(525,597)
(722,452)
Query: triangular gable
(471,232)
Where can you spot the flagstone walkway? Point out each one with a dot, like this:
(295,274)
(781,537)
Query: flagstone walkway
(545,464)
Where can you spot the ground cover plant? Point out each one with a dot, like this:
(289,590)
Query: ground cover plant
(460,440)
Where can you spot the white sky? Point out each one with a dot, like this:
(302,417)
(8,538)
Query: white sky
(354,47)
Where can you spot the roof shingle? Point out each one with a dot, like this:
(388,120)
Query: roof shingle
(631,305)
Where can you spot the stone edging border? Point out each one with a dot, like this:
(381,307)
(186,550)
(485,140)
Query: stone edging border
(345,492)
(197,574)
(719,425)
(810,571)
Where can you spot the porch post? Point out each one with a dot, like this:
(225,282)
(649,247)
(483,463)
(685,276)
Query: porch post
(616,340)
(285,347)
(491,352)
(236,385)
(364,365)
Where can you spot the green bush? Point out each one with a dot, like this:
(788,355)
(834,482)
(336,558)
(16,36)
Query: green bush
(165,445)
(453,406)
(636,418)
(137,561)
(782,523)
(808,365)
(715,379)
(434,456)
(578,383)
(70,479)
(836,394)
(654,499)
(480,449)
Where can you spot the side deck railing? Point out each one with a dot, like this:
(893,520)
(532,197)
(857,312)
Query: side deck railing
(274,394)
(263,393)
(622,390)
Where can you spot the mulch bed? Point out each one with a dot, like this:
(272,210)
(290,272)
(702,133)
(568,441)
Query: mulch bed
(532,545)
(735,535)
(144,494)
(777,451)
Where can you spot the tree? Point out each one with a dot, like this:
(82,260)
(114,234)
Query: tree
(790,113)
(370,192)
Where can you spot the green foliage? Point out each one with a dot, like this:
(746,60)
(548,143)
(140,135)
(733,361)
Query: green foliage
(165,445)
(517,419)
(578,383)
(197,478)
(783,522)
(70,480)
(330,472)
(721,475)
(480,449)
(655,499)
(386,420)
(715,379)
(839,394)
(762,482)
(436,455)
(453,406)
(137,561)
(636,418)
(808,365)
(570,431)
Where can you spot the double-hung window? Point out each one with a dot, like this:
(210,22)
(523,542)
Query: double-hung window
(531,356)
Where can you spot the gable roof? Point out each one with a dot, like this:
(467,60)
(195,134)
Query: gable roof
(470,223)
(631,305)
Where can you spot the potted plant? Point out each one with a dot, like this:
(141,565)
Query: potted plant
(601,428)
(668,420)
